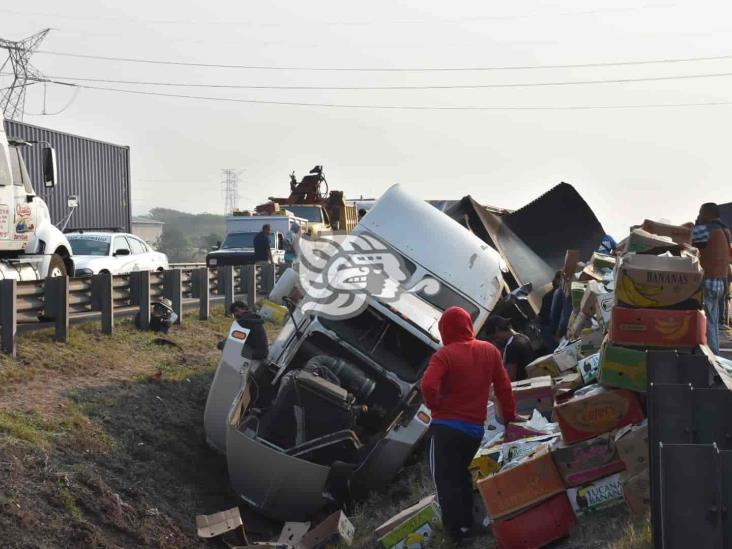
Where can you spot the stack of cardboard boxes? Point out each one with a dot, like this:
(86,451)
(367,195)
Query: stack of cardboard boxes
(593,386)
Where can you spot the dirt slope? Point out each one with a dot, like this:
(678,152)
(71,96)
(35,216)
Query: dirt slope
(101,442)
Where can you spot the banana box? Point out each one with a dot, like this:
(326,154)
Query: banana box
(577,292)
(485,463)
(588,368)
(602,261)
(641,241)
(658,328)
(679,234)
(650,281)
(623,368)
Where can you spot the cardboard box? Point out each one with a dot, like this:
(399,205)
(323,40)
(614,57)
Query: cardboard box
(588,305)
(485,463)
(568,382)
(537,526)
(650,281)
(531,481)
(578,321)
(334,530)
(591,339)
(605,304)
(643,242)
(632,445)
(595,410)
(623,368)
(588,460)
(680,235)
(535,393)
(600,494)
(519,449)
(637,492)
(417,524)
(589,368)
(577,291)
(543,366)
(211,526)
(658,328)
(603,261)
(571,259)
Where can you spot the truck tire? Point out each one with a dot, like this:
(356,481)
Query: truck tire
(56,267)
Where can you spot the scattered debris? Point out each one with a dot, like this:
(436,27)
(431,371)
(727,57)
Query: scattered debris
(211,526)
(413,527)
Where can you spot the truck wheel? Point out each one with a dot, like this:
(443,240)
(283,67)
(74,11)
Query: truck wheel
(56,267)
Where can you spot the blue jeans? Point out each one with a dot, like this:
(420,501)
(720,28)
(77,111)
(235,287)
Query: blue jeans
(714,289)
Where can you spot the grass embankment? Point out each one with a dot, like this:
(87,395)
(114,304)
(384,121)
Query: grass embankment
(101,438)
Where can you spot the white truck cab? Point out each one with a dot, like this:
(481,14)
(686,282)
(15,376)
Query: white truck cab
(31,247)
(356,420)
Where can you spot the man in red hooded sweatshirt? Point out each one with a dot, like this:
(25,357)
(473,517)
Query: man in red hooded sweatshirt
(456,388)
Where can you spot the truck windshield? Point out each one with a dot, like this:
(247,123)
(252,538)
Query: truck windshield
(386,342)
(89,245)
(312,213)
(243,240)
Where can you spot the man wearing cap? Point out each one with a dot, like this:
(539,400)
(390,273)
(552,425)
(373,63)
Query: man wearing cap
(456,387)
(516,347)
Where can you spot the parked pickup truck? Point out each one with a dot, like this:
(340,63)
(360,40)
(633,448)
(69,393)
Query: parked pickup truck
(337,404)
(238,245)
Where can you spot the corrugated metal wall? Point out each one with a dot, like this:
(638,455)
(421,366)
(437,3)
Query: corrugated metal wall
(95,171)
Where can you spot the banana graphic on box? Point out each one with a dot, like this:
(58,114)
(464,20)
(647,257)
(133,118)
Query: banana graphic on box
(641,295)
(673,328)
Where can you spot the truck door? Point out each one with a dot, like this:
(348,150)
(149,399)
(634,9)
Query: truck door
(24,216)
(7,195)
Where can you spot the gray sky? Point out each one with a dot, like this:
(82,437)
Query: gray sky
(629,164)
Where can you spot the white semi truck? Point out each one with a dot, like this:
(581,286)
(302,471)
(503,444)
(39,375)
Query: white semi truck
(31,247)
(294,440)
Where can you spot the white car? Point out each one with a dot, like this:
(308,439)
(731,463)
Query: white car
(116,253)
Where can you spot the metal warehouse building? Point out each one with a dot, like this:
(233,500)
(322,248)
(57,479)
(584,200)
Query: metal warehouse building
(96,172)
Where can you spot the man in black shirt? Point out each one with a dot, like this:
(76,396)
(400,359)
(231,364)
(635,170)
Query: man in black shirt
(516,347)
(262,247)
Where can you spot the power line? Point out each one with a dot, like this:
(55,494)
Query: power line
(397,87)
(408,107)
(387,69)
(252,23)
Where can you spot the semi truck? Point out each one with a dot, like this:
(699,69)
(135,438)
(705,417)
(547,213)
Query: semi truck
(336,404)
(31,246)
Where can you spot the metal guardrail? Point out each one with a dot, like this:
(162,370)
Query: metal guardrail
(690,446)
(59,301)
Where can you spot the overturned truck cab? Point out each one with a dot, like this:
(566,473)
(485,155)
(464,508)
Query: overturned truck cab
(335,409)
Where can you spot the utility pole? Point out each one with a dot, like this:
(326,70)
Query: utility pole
(230,188)
(12,101)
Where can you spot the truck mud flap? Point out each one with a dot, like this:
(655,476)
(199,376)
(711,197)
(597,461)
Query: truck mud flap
(534,239)
(695,496)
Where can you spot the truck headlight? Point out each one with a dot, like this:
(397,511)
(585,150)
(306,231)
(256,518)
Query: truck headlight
(212,262)
(83,272)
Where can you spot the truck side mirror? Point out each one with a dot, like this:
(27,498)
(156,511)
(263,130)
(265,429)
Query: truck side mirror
(50,168)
